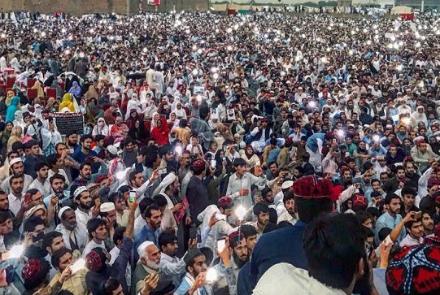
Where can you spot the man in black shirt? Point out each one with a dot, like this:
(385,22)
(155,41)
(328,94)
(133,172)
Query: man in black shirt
(197,193)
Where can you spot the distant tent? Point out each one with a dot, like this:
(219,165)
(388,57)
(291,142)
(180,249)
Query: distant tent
(405,12)
(401,10)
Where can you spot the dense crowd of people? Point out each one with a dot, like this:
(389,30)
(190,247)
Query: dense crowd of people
(259,154)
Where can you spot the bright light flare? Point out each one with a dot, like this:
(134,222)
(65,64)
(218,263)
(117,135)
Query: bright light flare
(178,150)
(121,174)
(211,275)
(406,121)
(240,212)
(312,104)
(16,251)
(340,133)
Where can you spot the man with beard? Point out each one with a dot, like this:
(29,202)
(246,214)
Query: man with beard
(422,155)
(74,233)
(148,264)
(86,153)
(286,211)
(6,228)
(391,218)
(150,231)
(261,211)
(194,279)
(346,176)
(16,168)
(267,196)
(130,152)
(232,258)
(52,241)
(98,233)
(57,182)
(429,202)
(41,182)
(197,192)
(107,212)
(428,223)
(168,161)
(169,188)
(4,201)
(72,142)
(394,155)
(33,156)
(250,234)
(57,165)
(85,176)
(16,204)
(376,189)
(285,187)
(411,173)
(34,228)
(397,181)
(70,166)
(75,283)
(137,183)
(83,200)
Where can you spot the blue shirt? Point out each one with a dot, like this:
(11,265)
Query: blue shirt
(80,157)
(312,141)
(245,282)
(386,220)
(273,155)
(186,284)
(283,245)
(147,234)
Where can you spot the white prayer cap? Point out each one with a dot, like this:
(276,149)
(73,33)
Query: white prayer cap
(112,150)
(287,184)
(141,248)
(15,160)
(107,207)
(62,210)
(78,191)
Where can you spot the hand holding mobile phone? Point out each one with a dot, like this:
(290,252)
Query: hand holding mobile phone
(193,233)
(221,245)
(132,196)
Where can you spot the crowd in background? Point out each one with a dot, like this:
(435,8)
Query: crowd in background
(252,154)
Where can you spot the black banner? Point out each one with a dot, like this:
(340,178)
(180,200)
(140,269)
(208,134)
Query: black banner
(69,122)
